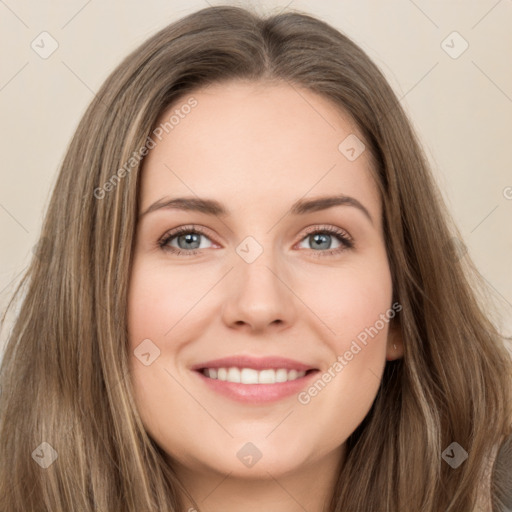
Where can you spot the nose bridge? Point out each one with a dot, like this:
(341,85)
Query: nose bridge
(258,267)
(256,292)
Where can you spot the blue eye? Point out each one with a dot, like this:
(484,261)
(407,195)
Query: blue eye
(188,241)
(320,240)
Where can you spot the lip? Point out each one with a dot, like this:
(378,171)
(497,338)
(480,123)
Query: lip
(256,363)
(256,393)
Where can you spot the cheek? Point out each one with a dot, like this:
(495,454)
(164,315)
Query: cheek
(349,299)
(159,301)
(356,306)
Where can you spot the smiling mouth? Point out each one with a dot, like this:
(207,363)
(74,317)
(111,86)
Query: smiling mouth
(252,376)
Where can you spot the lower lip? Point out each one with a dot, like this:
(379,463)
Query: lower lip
(257,393)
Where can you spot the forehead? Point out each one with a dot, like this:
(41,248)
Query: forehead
(255,140)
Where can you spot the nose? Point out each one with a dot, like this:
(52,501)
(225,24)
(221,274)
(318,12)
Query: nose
(258,297)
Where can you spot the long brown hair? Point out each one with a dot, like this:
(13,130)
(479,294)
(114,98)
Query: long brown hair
(64,376)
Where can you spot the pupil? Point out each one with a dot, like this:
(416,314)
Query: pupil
(320,239)
(189,238)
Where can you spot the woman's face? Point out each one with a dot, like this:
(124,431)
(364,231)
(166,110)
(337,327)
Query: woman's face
(279,282)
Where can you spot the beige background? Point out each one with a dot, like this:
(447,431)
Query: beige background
(461,107)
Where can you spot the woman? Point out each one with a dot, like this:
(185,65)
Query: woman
(248,296)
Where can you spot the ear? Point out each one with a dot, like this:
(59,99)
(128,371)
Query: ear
(395,346)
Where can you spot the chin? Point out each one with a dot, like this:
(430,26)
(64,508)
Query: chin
(244,459)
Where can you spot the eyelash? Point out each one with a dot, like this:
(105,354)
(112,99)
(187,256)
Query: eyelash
(343,237)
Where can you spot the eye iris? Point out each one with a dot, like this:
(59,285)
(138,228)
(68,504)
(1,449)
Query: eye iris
(189,238)
(321,238)
(192,240)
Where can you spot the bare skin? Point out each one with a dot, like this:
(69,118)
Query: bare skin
(257,149)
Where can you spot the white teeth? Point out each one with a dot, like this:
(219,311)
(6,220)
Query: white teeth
(281,375)
(252,376)
(292,374)
(249,376)
(267,377)
(233,375)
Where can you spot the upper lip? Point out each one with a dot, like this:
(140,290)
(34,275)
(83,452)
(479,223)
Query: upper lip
(257,363)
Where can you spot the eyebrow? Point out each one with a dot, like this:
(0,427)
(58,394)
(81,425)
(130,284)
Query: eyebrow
(212,207)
